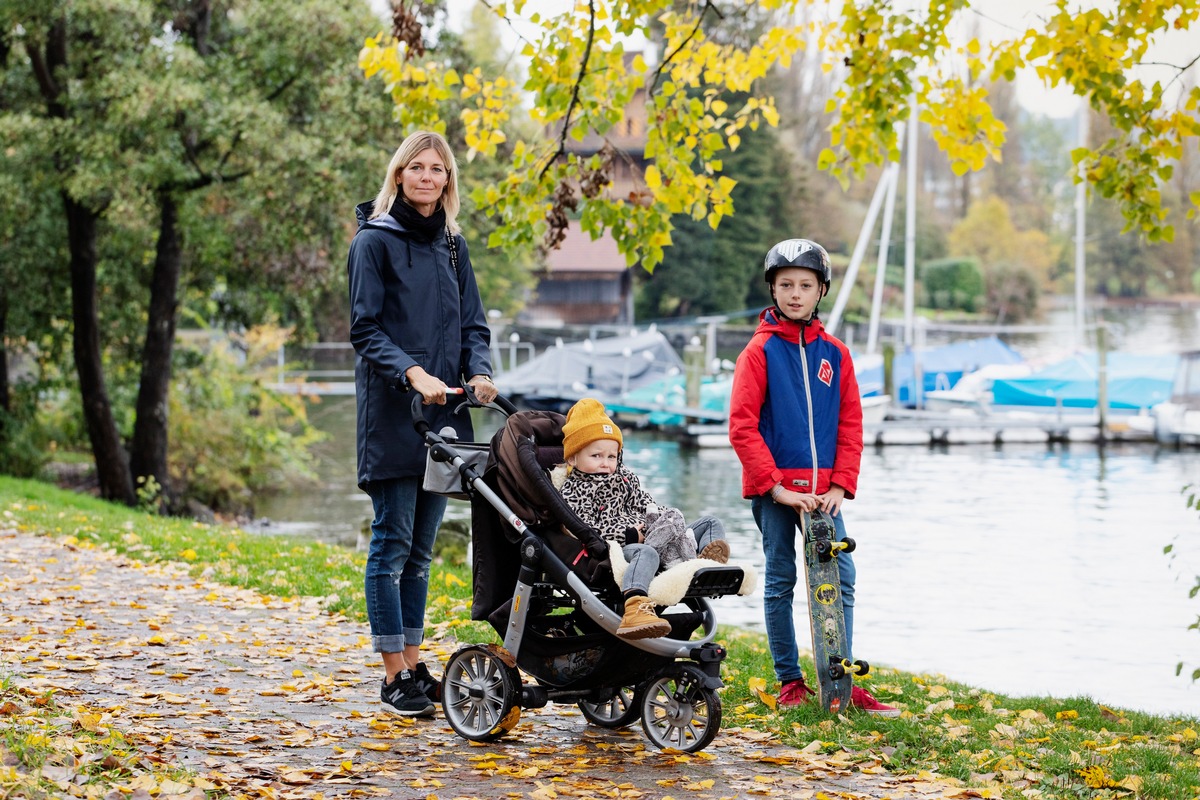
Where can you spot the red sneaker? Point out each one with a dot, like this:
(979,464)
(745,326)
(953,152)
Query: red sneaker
(795,693)
(861,698)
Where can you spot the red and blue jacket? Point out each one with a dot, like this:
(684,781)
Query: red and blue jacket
(785,428)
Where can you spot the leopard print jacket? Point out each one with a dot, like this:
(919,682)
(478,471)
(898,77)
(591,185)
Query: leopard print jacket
(609,503)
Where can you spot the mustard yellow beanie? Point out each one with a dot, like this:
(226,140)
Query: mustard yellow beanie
(587,422)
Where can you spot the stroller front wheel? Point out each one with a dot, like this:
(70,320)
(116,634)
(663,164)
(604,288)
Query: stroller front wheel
(481,692)
(679,711)
(617,711)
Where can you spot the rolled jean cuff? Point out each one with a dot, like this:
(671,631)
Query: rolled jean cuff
(392,643)
(414,636)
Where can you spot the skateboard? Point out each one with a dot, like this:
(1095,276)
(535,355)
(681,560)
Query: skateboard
(834,670)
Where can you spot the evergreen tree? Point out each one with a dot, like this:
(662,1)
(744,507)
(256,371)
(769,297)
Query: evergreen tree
(708,271)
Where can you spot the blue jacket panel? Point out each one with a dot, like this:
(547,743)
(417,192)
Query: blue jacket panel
(785,414)
(409,306)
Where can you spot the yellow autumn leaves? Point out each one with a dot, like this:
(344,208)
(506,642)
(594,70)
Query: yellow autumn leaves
(582,83)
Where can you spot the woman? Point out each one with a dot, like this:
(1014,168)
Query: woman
(417,325)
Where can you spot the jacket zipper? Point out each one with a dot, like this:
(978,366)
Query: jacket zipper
(812,433)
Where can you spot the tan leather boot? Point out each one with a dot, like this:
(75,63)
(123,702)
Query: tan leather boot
(641,621)
(717,550)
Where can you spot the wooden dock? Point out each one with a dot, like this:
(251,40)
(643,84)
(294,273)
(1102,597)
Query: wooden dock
(912,427)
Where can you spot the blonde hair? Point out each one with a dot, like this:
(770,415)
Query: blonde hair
(410,148)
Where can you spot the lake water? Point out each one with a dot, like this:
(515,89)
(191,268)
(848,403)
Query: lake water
(1025,569)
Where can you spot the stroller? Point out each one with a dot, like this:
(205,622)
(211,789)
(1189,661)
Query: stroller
(543,580)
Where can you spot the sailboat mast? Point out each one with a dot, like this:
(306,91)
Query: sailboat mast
(1080,232)
(910,224)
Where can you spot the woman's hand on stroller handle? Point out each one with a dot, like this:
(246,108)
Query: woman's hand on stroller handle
(418,402)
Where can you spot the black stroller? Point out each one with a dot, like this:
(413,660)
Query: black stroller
(543,580)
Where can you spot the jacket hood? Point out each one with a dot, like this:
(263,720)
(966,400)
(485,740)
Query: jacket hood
(770,321)
(362,212)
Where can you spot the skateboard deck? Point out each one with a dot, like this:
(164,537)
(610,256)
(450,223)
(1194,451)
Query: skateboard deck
(828,624)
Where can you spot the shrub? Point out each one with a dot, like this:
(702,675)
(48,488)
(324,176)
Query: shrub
(233,436)
(953,284)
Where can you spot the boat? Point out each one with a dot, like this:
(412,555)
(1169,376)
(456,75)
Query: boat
(1177,419)
(973,391)
(1133,382)
(606,369)
(664,403)
(921,371)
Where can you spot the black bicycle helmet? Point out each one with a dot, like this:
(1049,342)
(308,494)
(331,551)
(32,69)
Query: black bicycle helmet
(802,253)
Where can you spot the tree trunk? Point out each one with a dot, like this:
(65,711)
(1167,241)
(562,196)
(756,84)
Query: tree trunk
(112,468)
(148,452)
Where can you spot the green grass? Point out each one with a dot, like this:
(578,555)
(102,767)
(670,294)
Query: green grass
(1010,747)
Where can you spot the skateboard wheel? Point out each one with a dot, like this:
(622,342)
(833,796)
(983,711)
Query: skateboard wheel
(861,668)
(849,543)
(837,671)
(824,548)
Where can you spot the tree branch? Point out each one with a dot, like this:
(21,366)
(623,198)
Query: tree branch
(662,64)
(44,67)
(1180,71)
(561,149)
(507,21)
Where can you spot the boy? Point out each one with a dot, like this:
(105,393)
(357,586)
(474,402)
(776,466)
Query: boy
(795,421)
(606,495)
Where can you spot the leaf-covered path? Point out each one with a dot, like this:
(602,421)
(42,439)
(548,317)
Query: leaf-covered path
(265,697)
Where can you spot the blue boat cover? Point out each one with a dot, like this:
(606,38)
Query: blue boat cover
(942,367)
(1135,381)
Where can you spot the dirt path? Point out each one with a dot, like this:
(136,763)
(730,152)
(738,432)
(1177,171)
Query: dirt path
(264,697)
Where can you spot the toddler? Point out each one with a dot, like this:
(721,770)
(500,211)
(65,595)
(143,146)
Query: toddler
(606,495)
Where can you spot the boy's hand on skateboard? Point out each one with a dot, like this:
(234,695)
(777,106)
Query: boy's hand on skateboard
(797,500)
(831,501)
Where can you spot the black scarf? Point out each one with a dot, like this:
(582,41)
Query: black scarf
(423,228)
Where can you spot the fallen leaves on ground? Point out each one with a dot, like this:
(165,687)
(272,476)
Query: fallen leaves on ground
(135,680)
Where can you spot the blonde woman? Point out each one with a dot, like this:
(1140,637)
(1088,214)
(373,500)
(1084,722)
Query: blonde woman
(417,325)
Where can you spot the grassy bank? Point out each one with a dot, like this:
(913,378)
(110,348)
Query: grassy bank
(1000,746)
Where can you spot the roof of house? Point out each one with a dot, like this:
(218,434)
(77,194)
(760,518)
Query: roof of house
(580,253)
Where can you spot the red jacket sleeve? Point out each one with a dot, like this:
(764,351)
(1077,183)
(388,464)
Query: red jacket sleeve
(749,390)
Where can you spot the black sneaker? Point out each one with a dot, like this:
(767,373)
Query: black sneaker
(428,684)
(402,697)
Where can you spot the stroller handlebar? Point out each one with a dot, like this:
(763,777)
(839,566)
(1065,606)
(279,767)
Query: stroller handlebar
(418,411)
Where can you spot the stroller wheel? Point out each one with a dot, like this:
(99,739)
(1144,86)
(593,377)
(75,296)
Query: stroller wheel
(679,711)
(481,692)
(617,711)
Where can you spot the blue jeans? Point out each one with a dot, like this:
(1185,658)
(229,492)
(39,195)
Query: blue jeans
(780,527)
(397,580)
(644,560)
(643,566)
(707,530)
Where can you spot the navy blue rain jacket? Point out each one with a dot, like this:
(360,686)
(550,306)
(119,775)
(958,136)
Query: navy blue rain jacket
(408,307)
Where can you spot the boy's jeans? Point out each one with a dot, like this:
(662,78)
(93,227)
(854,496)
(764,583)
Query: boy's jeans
(397,576)
(780,527)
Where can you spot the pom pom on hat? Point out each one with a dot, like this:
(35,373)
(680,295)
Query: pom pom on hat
(587,422)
